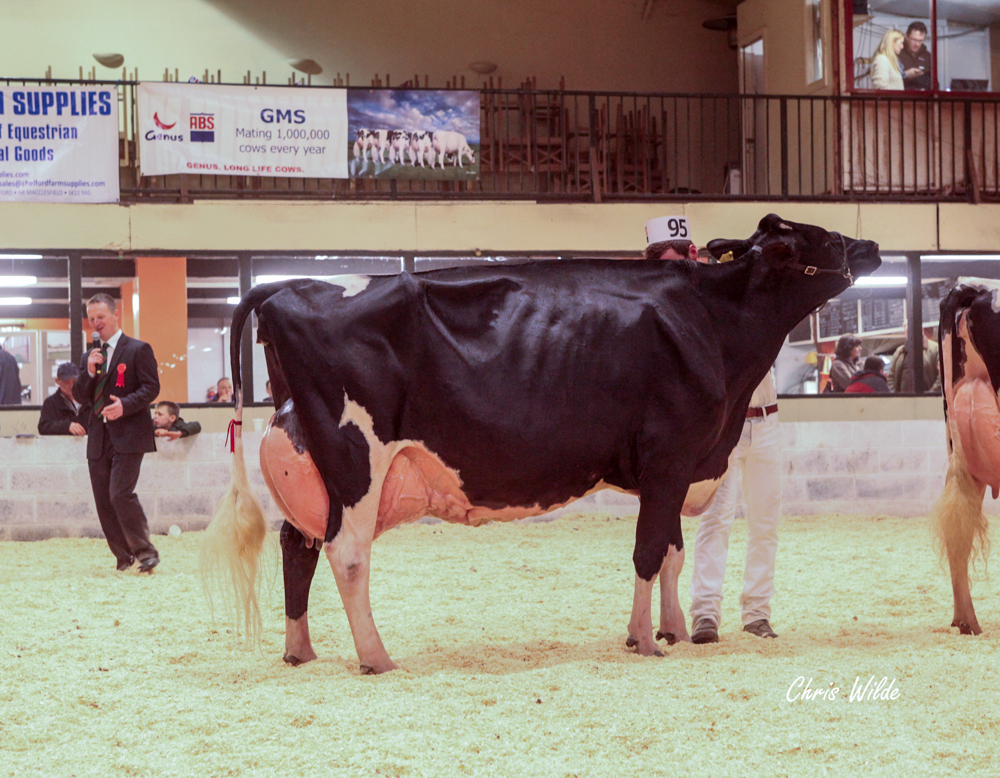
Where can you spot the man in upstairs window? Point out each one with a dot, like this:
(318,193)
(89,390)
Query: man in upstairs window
(915,58)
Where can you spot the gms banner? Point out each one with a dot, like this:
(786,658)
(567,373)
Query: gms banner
(242,130)
(59,144)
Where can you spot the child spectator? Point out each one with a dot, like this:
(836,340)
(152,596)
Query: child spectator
(169,424)
(61,414)
(870,379)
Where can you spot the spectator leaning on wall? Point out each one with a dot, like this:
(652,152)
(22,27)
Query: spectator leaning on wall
(61,413)
(169,424)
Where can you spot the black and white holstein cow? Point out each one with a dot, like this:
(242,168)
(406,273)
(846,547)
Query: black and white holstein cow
(493,393)
(969,337)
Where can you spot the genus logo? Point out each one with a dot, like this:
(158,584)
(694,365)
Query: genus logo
(162,125)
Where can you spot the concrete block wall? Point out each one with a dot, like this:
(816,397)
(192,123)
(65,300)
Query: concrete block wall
(45,485)
(887,468)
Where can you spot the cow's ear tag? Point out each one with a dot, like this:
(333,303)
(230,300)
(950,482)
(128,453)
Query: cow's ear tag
(727,257)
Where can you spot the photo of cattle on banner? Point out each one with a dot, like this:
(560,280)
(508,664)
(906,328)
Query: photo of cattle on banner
(477,394)
(402,133)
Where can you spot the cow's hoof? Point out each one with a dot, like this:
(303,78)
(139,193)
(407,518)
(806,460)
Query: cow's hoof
(670,637)
(385,668)
(965,628)
(632,642)
(294,661)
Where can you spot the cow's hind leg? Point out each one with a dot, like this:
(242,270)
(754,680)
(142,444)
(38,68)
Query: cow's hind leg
(350,558)
(298,557)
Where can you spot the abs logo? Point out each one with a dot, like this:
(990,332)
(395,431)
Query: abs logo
(203,128)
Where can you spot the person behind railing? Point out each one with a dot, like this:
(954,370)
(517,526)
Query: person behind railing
(10,379)
(61,413)
(169,424)
(900,375)
(886,70)
(223,391)
(846,362)
(870,379)
(915,59)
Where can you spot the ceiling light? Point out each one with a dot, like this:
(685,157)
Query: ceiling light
(482,67)
(881,281)
(233,300)
(20,256)
(18,280)
(15,301)
(110,60)
(308,66)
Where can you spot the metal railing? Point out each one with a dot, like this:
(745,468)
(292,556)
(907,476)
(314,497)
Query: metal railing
(598,146)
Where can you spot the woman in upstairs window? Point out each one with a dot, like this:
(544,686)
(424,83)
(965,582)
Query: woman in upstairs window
(886,72)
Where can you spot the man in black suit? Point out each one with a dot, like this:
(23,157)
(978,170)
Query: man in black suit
(119,380)
(61,413)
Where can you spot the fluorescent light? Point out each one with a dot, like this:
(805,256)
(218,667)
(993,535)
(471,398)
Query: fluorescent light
(233,300)
(959,257)
(272,279)
(207,348)
(20,256)
(18,280)
(15,301)
(881,281)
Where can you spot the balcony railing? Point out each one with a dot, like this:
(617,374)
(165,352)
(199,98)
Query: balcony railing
(599,146)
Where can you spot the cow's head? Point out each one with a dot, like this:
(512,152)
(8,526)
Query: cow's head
(805,249)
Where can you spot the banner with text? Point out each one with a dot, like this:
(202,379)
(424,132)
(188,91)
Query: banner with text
(59,144)
(242,130)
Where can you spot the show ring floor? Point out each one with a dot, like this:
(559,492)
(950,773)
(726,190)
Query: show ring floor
(512,642)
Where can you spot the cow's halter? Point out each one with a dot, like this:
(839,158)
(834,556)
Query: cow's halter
(810,270)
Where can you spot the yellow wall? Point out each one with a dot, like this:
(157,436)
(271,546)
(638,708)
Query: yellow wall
(595,44)
(500,226)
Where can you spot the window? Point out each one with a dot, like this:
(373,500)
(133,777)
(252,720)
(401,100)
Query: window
(814,41)
(925,45)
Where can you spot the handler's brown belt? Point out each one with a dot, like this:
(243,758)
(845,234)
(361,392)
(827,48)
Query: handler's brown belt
(756,413)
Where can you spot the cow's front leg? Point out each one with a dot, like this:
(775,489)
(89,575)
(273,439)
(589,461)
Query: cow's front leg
(298,562)
(350,558)
(658,546)
(673,625)
(640,626)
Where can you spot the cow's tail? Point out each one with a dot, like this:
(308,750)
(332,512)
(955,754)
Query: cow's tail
(962,527)
(230,552)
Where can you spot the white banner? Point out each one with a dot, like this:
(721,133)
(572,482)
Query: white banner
(242,130)
(59,144)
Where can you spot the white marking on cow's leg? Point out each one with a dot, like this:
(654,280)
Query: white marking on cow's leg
(351,563)
(640,626)
(673,625)
(298,646)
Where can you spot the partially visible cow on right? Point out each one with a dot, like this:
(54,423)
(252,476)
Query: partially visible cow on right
(969,336)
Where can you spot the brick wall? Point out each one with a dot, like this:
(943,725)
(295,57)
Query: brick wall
(889,468)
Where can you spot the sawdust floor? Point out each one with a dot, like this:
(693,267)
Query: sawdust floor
(512,642)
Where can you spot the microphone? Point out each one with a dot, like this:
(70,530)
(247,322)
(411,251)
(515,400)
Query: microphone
(96,341)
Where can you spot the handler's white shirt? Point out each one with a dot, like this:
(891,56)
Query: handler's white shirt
(765,394)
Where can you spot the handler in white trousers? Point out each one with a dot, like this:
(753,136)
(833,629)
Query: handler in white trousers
(757,458)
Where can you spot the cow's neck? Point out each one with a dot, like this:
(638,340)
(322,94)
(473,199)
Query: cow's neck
(754,309)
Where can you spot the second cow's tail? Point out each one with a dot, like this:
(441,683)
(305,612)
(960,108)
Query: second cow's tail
(229,558)
(962,527)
